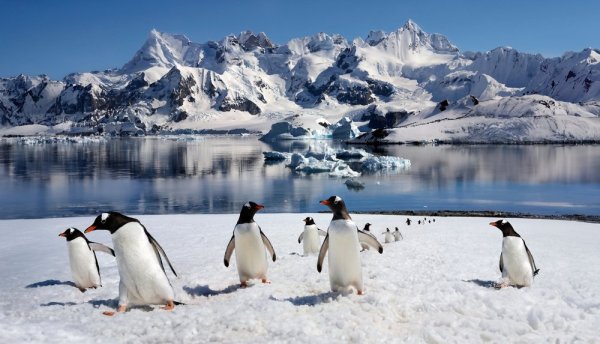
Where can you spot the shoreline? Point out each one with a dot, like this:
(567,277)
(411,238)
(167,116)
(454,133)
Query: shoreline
(483,213)
(434,213)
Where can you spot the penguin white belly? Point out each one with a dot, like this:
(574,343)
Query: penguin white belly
(389,237)
(517,269)
(397,236)
(344,256)
(83,264)
(250,252)
(310,240)
(143,279)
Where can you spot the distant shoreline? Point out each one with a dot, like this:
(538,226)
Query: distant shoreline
(483,213)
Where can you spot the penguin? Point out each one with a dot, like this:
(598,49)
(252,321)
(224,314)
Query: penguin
(389,237)
(419,222)
(143,279)
(310,235)
(342,242)
(367,229)
(397,235)
(82,259)
(408,221)
(249,243)
(516,261)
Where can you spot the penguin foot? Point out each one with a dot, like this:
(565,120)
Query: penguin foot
(121,309)
(501,285)
(360,292)
(169,306)
(265,281)
(244,284)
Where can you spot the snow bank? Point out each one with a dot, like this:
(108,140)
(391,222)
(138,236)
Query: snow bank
(432,287)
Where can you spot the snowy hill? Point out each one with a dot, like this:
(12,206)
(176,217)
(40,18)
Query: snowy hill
(432,287)
(248,82)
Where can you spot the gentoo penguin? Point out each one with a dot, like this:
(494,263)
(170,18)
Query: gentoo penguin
(516,262)
(82,259)
(143,277)
(367,229)
(249,243)
(397,235)
(342,241)
(389,237)
(310,235)
(408,221)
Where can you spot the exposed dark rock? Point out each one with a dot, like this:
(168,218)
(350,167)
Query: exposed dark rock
(356,95)
(570,75)
(241,104)
(443,105)
(381,88)
(179,116)
(587,83)
(474,100)
(377,122)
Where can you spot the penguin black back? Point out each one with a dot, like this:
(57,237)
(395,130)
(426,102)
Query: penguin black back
(309,221)
(338,207)
(110,221)
(248,211)
(506,228)
(367,227)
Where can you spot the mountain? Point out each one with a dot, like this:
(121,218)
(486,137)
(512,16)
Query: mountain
(246,82)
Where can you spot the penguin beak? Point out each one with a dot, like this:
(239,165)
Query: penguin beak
(258,207)
(90,229)
(324,202)
(62,234)
(494,224)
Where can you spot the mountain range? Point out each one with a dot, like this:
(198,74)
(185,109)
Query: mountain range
(246,82)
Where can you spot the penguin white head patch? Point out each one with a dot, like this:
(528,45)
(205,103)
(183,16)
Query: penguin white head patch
(71,229)
(504,222)
(247,205)
(104,216)
(337,199)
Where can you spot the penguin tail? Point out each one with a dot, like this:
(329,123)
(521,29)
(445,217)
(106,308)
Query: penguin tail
(536,272)
(177,303)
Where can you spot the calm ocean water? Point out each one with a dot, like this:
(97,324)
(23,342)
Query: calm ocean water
(219,174)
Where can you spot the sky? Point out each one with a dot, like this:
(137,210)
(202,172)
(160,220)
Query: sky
(60,37)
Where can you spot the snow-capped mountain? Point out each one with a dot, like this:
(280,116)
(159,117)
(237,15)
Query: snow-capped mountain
(247,82)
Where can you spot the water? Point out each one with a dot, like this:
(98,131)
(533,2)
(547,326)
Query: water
(220,174)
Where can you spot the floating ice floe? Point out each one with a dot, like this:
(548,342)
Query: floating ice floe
(38,140)
(354,184)
(337,162)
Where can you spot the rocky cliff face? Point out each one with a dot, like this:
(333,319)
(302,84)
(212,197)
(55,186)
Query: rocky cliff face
(172,80)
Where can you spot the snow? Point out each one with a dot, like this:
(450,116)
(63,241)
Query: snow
(432,287)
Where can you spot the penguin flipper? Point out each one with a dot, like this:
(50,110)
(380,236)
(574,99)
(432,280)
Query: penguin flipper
(322,253)
(321,232)
(534,268)
(159,251)
(268,244)
(300,237)
(501,264)
(369,240)
(229,251)
(94,246)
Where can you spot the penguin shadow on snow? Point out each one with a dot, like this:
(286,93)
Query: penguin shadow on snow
(310,300)
(55,303)
(49,283)
(205,290)
(482,283)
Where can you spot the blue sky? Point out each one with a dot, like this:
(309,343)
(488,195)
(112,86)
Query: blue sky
(59,37)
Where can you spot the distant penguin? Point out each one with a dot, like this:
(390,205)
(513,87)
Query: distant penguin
(419,222)
(143,277)
(310,236)
(367,229)
(389,237)
(397,235)
(342,242)
(408,221)
(82,259)
(249,243)
(516,262)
